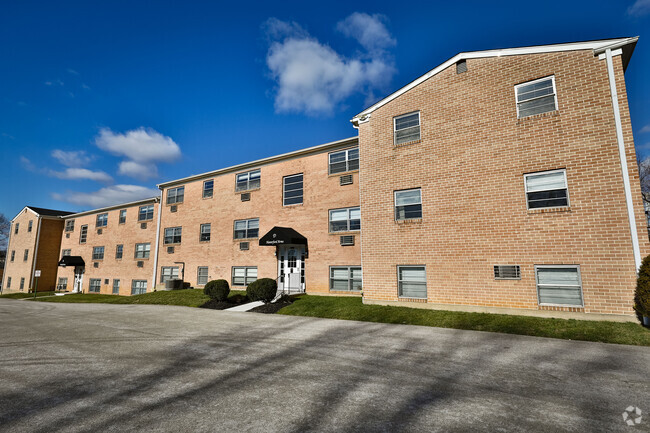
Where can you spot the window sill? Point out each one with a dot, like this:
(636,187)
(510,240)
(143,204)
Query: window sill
(345,232)
(408,143)
(407,299)
(143,258)
(345,291)
(293,205)
(409,221)
(558,307)
(343,173)
(522,120)
(145,221)
(242,191)
(209,197)
(245,239)
(549,210)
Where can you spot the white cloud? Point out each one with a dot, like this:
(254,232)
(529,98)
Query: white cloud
(27,164)
(639,8)
(140,145)
(313,78)
(73,158)
(138,170)
(108,196)
(54,83)
(645,129)
(75,173)
(72,71)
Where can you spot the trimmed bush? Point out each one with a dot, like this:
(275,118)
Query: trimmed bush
(263,290)
(642,292)
(217,289)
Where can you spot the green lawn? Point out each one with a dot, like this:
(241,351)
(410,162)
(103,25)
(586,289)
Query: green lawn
(21,295)
(349,308)
(187,298)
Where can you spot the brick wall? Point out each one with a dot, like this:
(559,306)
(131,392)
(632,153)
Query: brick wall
(19,242)
(49,242)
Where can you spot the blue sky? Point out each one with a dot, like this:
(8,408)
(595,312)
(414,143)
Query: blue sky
(99,101)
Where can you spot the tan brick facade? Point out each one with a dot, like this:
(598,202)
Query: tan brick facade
(470,165)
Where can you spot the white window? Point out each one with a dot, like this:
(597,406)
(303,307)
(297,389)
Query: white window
(13,255)
(546,189)
(102,220)
(173,235)
(559,285)
(243,275)
(22,283)
(202,276)
(168,273)
(205,232)
(122,216)
(344,160)
(142,251)
(245,229)
(292,189)
(345,220)
(8,282)
(66,253)
(30,225)
(16,228)
(62,284)
(208,188)
(248,180)
(83,234)
(412,281)
(145,213)
(408,204)
(26,255)
(116,287)
(119,251)
(139,287)
(98,253)
(175,195)
(407,128)
(535,97)
(95,285)
(345,278)
(69,225)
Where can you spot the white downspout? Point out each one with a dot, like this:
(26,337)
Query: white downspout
(621,153)
(4,272)
(35,255)
(155,256)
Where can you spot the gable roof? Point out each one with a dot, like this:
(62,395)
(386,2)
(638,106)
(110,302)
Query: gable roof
(625,45)
(42,212)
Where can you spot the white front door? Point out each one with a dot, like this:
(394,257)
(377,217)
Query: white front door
(291,268)
(78,279)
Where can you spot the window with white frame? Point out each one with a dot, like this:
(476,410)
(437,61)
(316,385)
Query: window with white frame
(205,232)
(119,251)
(145,213)
(345,220)
(292,189)
(116,287)
(138,287)
(407,128)
(142,250)
(30,225)
(559,285)
(243,275)
(102,220)
(8,282)
(83,234)
(412,281)
(173,235)
(16,228)
(13,255)
(168,273)
(66,253)
(536,97)
(26,255)
(248,180)
(208,188)
(22,283)
(245,229)
(344,160)
(345,278)
(408,204)
(69,225)
(202,275)
(546,189)
(98,253)
(122,216)
(95,285)
(175,195)
(62,285)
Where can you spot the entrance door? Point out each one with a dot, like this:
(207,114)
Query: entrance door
(291,268)
(78,279)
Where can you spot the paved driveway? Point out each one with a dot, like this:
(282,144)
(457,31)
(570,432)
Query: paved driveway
(93,367)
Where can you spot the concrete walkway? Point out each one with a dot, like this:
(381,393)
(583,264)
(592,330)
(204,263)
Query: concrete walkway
(122,368)
(246,307)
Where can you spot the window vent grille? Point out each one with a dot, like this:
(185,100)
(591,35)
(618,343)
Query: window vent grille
(173,208)
(244,246)
(140,264)
(507,272)
(461,66)
(347,240)
(345,179)
(95,264)
(246,196)
(67,235)
(143,225)
(100,231)
(105,280)
(170,250)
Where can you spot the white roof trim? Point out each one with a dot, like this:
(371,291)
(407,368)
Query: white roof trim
(597,46)
(113,207)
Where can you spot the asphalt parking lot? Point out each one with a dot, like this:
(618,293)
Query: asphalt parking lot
(94,367)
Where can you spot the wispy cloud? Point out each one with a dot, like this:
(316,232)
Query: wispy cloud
(76,173)
(639,8)
(72,71)
(27,164)
(56,82)
(85,86)
(645,129)
(72,158)
(107,196)
(313,78)
(11,137)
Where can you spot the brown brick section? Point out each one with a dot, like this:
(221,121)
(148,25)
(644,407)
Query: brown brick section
(49,243)
(470,164)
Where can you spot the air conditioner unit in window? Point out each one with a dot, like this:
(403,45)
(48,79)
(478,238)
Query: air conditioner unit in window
(105,280)
(140,264)
(507,272)
(347,240)
(173,208)
(143,225)
(95,264)
(100,231)
(246,196)
(244,246)
(346,179)
(170,250)
(67,235)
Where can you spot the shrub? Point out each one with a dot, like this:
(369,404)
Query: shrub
(217,289)
(263,289)
(642,292)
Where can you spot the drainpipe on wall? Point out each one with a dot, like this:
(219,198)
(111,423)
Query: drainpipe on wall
(4,272)
(621,153)
(35,255)
(155,256)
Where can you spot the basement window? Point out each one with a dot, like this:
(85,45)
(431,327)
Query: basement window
(559,285)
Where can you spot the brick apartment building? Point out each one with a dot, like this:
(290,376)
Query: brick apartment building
(501,180)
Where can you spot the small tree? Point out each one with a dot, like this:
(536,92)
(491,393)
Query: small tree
(217,290)
(263,290)
(642,292)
